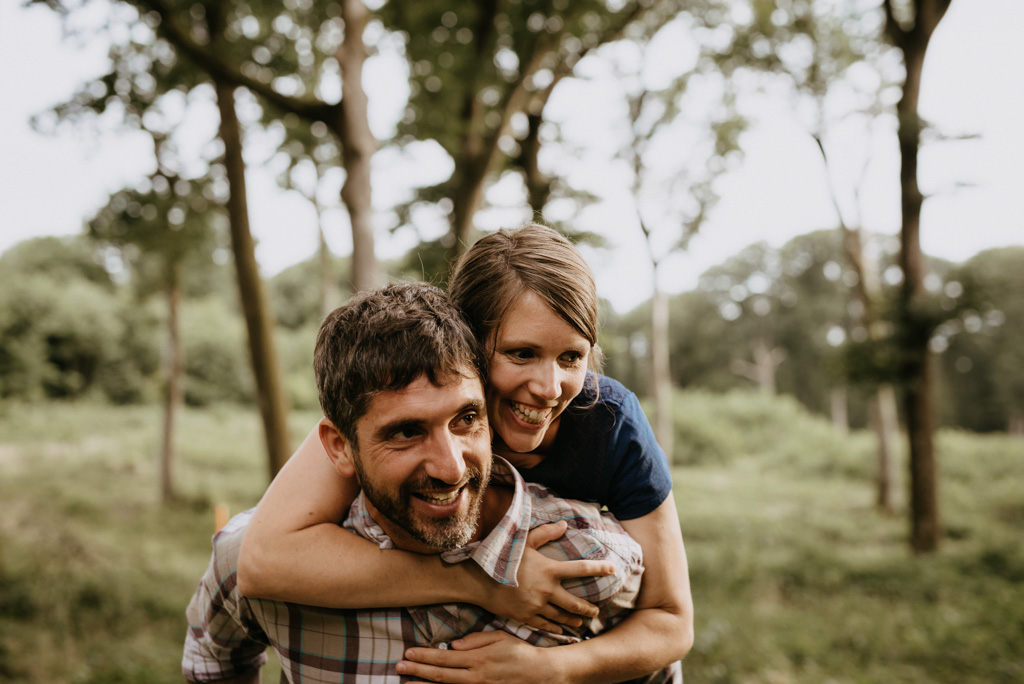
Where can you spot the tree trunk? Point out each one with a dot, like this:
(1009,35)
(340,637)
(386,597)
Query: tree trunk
(325,266)
(1015,424)
(661,380)
(914,328)
(865,291)
(269,393)
(358,147)
(467,197)
(763,370)
(924,499)
(839,409)
(172,389)
(538,186)
(884,424)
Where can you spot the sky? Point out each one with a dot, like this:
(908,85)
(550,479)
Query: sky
(50,184)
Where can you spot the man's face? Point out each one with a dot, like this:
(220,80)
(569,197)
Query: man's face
(423,457)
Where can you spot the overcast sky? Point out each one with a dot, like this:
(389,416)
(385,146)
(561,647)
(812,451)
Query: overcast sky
(972,84)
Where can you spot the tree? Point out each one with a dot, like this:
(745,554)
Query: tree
(167,225)
(672,204)
(841,44)
(481,73)
(910,26)
(985,341)
(289,57)
(311,155)
(790,303)
(63,328)
(145,75)
(145,69)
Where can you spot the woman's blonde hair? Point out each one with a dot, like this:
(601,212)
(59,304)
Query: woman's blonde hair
(492,274)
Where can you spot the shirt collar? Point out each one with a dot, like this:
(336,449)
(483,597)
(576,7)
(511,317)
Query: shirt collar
(498,554)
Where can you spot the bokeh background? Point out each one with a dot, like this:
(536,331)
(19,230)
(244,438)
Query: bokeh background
(831,353)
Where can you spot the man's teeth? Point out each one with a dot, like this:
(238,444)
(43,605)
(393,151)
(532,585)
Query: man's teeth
(441,499)
(529,415)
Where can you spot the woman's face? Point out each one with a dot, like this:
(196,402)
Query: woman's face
(538,365)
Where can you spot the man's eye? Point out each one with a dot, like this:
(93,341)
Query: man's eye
(467,420)
(405,434)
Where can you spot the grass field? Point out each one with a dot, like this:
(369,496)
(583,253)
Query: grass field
(796,578)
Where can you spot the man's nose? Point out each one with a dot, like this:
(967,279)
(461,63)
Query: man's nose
(445,462)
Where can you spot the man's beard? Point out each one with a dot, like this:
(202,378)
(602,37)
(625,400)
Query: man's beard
(441,534)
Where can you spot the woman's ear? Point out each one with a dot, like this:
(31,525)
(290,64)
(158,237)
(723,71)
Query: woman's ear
(338,448)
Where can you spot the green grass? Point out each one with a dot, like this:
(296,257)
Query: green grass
(94,572)
(796,577)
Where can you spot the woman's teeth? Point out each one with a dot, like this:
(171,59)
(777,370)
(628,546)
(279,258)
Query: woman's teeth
(440,499)
(529,415)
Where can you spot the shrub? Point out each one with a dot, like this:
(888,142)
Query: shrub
(216,367)
(717,428)
(295,349)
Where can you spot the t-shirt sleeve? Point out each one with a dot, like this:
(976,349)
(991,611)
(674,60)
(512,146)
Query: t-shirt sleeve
(641,479)
(223,640)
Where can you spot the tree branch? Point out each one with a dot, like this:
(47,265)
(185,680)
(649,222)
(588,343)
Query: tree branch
(219,69)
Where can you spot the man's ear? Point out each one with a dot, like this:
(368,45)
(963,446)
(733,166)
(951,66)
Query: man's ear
(338,448)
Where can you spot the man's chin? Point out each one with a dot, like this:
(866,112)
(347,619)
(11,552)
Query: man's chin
(445,533)
(445,537)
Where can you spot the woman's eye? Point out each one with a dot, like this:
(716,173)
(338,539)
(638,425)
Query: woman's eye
(571,357)
(521,354)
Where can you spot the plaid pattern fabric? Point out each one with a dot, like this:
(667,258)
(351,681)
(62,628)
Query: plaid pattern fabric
(228,633)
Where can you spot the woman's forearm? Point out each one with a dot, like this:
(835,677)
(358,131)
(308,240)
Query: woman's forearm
(647,641)
(660,630)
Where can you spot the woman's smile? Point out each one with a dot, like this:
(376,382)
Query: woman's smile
(529,415)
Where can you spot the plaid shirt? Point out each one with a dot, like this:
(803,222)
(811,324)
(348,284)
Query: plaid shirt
(228,633)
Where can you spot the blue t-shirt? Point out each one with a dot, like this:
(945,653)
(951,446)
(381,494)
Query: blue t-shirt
(606,452)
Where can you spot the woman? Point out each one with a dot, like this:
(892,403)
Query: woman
(530,298)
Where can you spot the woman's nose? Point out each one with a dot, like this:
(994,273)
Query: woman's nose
(545,383)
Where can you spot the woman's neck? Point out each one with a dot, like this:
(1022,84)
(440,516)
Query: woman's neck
(529,459)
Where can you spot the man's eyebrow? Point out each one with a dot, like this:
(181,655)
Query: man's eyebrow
(474,405)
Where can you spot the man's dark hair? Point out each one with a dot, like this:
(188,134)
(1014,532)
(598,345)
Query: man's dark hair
(382,340)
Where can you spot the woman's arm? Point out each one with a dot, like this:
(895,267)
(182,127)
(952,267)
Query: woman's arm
(295,551)
(658,633)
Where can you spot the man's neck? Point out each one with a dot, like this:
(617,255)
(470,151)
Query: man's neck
(497,500)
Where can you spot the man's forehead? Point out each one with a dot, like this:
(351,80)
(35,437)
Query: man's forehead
(424,400)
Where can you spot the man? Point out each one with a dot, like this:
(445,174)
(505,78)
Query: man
(400,379)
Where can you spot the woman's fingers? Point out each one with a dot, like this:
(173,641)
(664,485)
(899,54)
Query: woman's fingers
(542,534)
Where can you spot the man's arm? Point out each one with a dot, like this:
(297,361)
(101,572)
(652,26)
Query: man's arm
(224,641)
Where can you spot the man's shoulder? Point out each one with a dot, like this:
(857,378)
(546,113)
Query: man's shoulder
(583,517)
(227,542)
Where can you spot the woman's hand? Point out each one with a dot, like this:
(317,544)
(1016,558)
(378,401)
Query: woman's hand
(495,657)
(540,600)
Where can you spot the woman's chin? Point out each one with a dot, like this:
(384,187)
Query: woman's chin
(522,441)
